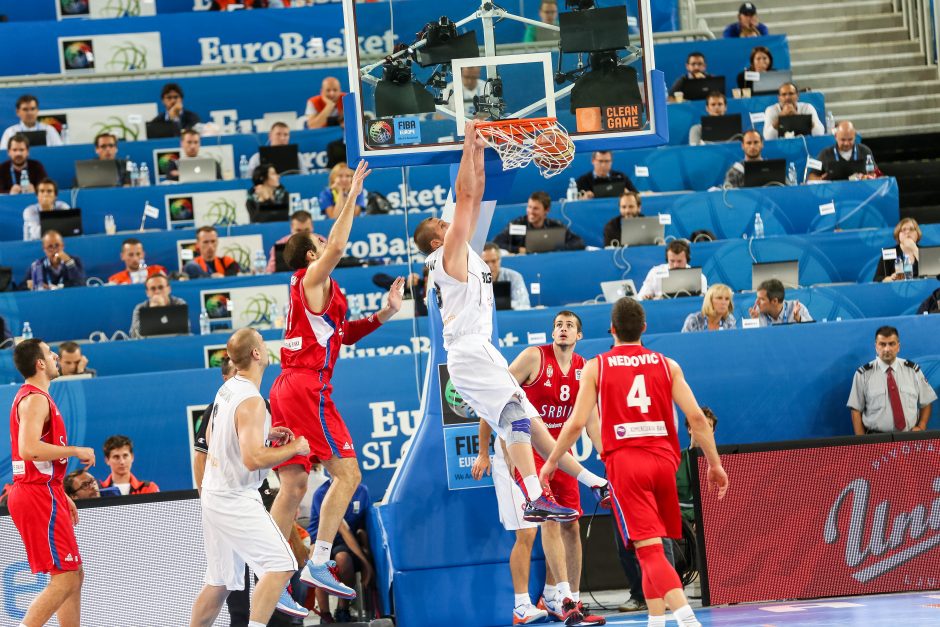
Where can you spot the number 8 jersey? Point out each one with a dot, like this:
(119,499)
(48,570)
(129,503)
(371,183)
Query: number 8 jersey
(634,398)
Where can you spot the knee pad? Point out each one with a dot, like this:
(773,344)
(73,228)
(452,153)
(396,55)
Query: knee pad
(660,573)
(514,418)
(519,433)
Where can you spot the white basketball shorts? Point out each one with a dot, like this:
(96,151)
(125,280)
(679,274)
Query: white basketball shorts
(508,495)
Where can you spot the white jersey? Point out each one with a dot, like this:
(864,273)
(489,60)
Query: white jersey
(225,470)
(466,308)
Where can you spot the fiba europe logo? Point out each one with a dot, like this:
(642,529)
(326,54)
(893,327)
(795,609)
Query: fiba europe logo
(217,306)
(455,401)
(380,132)
(181,209)
(259,310)
(239,253)
(74,7)
(127,57)
(121,8)
(116,126)
(79,55)
(221,211)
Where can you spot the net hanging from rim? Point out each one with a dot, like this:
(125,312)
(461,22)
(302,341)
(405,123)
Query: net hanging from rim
(520,142)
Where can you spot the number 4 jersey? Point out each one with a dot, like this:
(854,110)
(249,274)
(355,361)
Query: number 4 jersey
(634,398)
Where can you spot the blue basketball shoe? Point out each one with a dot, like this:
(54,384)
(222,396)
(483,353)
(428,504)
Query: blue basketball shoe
(545,508)
(287,605)
(325,576)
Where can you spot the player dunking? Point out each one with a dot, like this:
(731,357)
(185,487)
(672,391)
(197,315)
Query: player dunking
(238,530)
(42,513)
(478,371)
(300,396)
(634,389)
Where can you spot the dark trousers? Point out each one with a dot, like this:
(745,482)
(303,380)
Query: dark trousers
(631,566)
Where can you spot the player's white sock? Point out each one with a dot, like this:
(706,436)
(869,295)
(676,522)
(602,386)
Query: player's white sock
(686,617)
(549,592)
(523,599)
(575,596)
(321,552)
(588,478)
(564,590)
(533,489)
(656,621)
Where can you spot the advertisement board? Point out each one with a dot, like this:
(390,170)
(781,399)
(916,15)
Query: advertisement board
(123,52)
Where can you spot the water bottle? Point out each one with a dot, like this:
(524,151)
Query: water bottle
(109,226)
(259,262)
(243,170)
(133,173)
(830,123)
(791,174)
(315,211)
(204,327)
(296,204)
(758,227)
(141,275)
(24,179)
(908,267)
(64,134)
(143,179)
(572,190)
(27,331)
(869,165)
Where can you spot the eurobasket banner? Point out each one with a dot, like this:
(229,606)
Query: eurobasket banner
(218,208)
(104,9)
(126,122)
(96,54)
(461,436)
(261,306)
(241,248)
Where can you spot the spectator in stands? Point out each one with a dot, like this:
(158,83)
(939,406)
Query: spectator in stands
(206,264)
(748,24)
(135,269)
(548,14)
(715,104)
(57,269)
(350,548)
(266,193)
(678,255)
(907,234)
(788,104)
(278,135)
(855,155)
(300,222)
(47,197)
(119,456)
(172,97)
(931,304)
(326,109)
(106,147)
(717,311)
(190,147)
(518,294)
(889,394)
(762,60)
(72,361)
(80,484)
(695,67)
(27,110)
(752,144)
(771,307)
(11,170)
(158,291)
(603,161)
(630,207)
(535,218)
(333,196)
(472,86)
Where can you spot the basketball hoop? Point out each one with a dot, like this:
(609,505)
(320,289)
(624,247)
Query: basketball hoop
(519,142)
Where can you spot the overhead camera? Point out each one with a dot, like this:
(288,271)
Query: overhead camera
(439,32)
(397,93)
(491,102)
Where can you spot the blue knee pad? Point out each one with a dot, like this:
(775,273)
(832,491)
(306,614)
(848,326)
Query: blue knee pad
(520,432)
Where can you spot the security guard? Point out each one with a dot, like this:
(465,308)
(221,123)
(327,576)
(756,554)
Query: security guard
(889,394)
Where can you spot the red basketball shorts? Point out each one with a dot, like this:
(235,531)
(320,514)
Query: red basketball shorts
(643,494)
(301,402)
(41,515)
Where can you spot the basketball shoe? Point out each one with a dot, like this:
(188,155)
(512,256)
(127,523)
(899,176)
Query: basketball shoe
(527,614)
(287,605)
(563,610)
(325,576)
(545,508)
(589,619)
(602,494)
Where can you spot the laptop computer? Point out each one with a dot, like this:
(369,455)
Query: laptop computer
(787,272)
(799,124)
(770,82)
(615,290)
(841,170)
(682,282)
(169,320)
(721,128)
(279,264)
(97,173)
(699,88)
(270,213)
(283,158)
(929,263)
(760,173)
(544,240)
(197,169)
(610,189)
(35,138)
(161,128)
(641,231)
(68,222)
(502,295)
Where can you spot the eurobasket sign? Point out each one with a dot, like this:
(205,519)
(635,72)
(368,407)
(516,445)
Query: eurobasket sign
(96,54)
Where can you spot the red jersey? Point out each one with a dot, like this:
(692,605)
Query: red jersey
(51,473)
(634,398)
(553,392)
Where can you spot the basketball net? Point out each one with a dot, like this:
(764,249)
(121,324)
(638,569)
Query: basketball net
(520,142)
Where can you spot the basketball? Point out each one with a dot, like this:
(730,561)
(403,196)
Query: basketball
(553,148)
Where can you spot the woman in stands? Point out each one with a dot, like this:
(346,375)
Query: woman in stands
(47,193)
(716,314)
(907,234)
(266,193)
(630,207)
(334,196)
(761,61)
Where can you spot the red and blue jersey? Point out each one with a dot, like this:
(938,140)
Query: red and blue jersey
(553,392)
(25,471)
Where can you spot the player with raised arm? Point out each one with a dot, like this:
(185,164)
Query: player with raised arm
(479,372)
(636,390)
(301,394)
(243,446)
(44,516)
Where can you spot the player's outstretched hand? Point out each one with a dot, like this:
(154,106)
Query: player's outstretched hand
(303,447)
(85,455)
(362,172)
(718,478)
(395,294)
(481,466)
(73,511)
(547,472)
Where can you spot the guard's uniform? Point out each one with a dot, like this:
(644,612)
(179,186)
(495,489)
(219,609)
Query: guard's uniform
(237,528)
(301,394)
(37,501)
(870,396)
(641,448)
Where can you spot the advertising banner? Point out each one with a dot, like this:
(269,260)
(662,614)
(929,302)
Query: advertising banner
(123,52)
(218,208)
(239,247)
(126,122)
(104,9)
(260,306)
(461,436)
